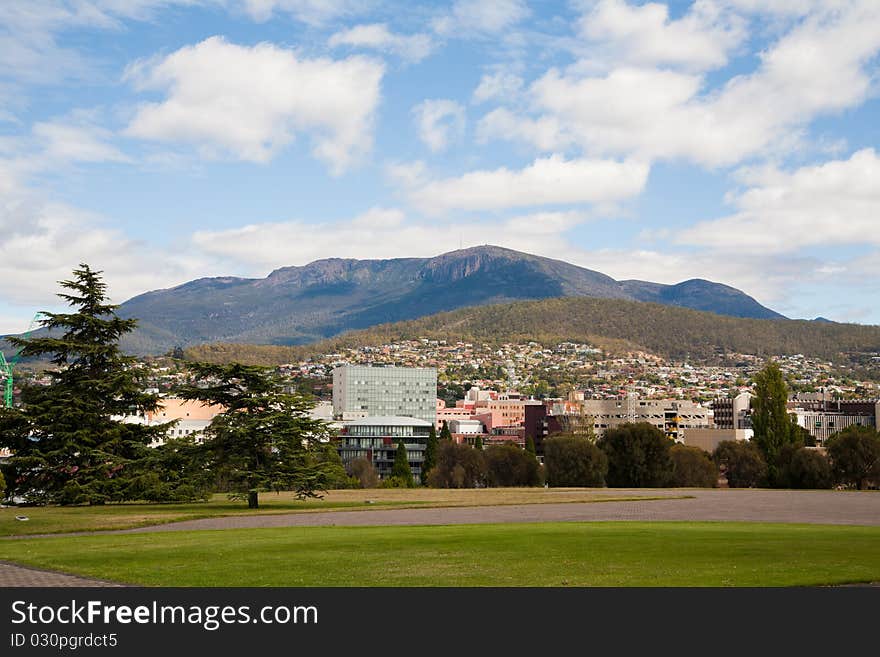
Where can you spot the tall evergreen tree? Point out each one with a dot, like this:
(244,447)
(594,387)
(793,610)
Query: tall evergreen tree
(478,443)
(68,441)
(773,427)
(445,433)
(430,454)
(401,469)
(265,439)
(530,445)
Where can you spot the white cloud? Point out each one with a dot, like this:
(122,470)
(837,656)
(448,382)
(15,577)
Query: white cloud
(500,86)
(479,17)
(817,68)
(249,102)
(548,181)
(413,48)
(380,233)
(545,132)
(837,202)
(645,35)
(313,12)
(438,122)
(76,142)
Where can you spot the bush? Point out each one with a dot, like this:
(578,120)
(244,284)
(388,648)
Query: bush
(741,462)
(458,466)
(2,486)
(396,482)
(574,461)
(508,465)
(638,456)
(855,457)
(809,468)
(692,467)
(364,472)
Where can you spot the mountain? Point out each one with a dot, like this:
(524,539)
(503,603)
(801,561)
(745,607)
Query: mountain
(298,305)
(615,325)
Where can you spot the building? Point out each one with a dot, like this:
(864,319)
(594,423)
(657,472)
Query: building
(822,418)
(708,438)
(361,391)
(375,439)
(672,416)
(732,412)
(192,417)
(669,415)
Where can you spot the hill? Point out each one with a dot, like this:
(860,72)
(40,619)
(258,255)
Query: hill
(298,305)
(613,324)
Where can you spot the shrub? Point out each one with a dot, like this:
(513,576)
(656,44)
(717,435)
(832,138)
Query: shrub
(458,466)
(742,463)
(508,465)
(638,456)
(809,468)
(574,461)
(692,467)
(364,472)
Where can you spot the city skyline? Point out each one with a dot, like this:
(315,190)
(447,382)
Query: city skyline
(167,140)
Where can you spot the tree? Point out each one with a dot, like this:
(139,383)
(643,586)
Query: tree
(265,439)
(530,446)
(478,442)
(692,467)
(809,468)
(430,454)
(458,466)
(365,472)
(855,456)
(770,419)
(2,486)
(574,461)
(741,462)
(508,465)
(445,434)
(638,456)
(401,470)
(69,443)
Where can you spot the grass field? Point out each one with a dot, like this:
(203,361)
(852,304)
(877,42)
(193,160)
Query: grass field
(52,520)
(546,554)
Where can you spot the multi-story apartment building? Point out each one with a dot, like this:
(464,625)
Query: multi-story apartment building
(375,439)
(823,417)
(732,412)
(361,391)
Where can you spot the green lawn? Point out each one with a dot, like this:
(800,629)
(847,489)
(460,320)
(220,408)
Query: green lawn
(545,554)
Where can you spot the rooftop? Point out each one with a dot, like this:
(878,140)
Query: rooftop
(389,421)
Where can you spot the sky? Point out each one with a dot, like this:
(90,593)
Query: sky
(166,140)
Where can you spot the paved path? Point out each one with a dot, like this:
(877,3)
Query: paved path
(15,575)
(814,507)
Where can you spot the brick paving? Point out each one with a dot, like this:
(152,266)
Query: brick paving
(13,575)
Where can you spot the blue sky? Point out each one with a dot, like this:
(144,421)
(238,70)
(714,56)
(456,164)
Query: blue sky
(166,140)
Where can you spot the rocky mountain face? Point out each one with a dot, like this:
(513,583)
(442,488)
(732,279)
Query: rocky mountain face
(296,305)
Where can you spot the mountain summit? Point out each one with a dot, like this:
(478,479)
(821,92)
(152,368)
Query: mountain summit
(295,305)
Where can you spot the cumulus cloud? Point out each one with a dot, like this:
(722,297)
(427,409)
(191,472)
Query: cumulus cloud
(645,35)
(380,233)
(500,86)
(545,132)
(249,102)
(547,181)
(77,142)
(817,68)
(439,121)
(377,36)
(313,12)
(480,17)
(837,202)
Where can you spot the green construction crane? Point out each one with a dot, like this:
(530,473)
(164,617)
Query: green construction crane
(6,367)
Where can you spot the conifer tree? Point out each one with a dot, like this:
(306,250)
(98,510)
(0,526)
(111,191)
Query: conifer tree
(478,443)
(265,439)
(401,469)
(68,440)
(445,434)
(530,445)
(430,454)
